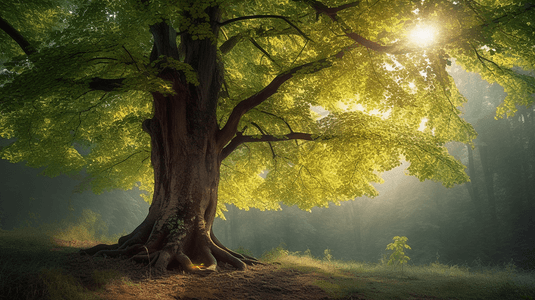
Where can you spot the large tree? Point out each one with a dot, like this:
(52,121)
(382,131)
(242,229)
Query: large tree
(206,103)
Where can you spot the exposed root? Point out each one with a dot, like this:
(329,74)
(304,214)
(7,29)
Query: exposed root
(244,258)
(146,256)
(161,250)
(135,239)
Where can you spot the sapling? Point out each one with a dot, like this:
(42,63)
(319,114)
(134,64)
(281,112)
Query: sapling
(398,246)
(327,255)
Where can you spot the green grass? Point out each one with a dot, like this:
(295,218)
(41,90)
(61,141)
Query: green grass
(342,279)
(30,270)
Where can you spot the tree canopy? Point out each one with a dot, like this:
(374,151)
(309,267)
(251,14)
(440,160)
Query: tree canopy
(76,80)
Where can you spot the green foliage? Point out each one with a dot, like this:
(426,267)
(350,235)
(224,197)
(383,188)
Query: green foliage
(275,253)
(327,256)
(398,256)
(174,224)
(376,100)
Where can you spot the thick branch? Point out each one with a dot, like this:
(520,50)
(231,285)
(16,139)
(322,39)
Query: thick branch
(17,37)
(240,139)
(264,17)
(230,43)
(392,49)
(263,51)
(106,85)
(231,127)
(331,12)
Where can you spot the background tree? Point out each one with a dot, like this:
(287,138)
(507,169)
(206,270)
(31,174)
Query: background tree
(173,97)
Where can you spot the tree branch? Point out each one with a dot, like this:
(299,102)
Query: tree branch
(263,133)
(17,37)
(264,17)
(527,7)
(263,51)
(392,49)
(230,43)
(231,127)
(273,115)
(106,85)
(240,139)
(331,12)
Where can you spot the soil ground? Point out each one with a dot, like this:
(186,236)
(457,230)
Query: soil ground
(258,282)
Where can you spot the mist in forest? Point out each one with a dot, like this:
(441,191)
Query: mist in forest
(488,221)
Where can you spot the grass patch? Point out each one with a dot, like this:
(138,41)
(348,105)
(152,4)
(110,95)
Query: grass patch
(25,252)
(33,267)
(63,286)
(33,259)
(103,277)
(342,279)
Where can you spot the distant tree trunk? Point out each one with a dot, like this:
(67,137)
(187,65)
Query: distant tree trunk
(233,231)
(472,186)
(186,159)
(518,192)
(489,184)
(355,221)
(257,230)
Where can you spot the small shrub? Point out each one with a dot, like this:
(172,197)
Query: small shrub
(275,253)
(327,256)
(398,256)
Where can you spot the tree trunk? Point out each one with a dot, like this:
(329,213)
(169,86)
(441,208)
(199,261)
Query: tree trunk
(186,158)
(489,184)
(472,187)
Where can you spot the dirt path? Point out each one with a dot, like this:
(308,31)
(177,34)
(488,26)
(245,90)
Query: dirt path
(259,282)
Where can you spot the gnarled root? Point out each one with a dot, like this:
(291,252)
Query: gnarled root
(198,253)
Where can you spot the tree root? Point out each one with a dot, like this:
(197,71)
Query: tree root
(151,249)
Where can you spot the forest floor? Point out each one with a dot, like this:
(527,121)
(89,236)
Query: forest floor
(37,267)
(258,282)
(120,279)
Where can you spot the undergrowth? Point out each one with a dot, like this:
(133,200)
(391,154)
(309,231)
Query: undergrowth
(33,261)
(343,279)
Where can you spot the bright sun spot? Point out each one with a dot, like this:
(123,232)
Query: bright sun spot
(422,124)
(423,36)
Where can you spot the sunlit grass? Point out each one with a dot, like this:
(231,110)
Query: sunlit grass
(89,228)
(341,279)
(33,267)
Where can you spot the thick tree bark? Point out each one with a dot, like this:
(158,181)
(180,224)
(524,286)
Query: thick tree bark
(186,158)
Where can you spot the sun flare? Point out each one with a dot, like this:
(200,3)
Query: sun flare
(423,36)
